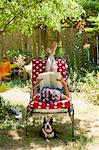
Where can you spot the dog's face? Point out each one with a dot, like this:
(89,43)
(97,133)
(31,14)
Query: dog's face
(47,125)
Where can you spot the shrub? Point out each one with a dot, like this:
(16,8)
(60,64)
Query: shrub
(11,54)
(90,86)
(7,120)
(60,52)
(4,106)
(4,88)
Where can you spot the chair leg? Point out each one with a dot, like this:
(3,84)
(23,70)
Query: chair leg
(26,122)
(72,119)
(71,114)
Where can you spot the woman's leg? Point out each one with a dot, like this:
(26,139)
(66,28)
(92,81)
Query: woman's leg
(64,97)
(37,97)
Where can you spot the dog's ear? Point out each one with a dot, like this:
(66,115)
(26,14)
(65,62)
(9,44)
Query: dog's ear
(44,121)
(51,120)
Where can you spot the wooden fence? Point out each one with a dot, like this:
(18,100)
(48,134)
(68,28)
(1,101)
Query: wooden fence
(39,38)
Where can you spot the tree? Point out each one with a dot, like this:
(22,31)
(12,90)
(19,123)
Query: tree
(25,15)
(92,14)
(94,24)
(90,6)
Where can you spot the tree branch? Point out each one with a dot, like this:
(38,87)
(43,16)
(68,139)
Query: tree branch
(16,16)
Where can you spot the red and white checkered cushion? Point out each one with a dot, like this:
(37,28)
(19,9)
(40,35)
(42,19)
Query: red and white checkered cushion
(56,105)
(38,66)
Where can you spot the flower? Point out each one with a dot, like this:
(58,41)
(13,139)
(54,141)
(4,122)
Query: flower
(81,25)
(86,45)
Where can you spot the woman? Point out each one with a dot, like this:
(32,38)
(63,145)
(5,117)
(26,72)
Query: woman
(50,95)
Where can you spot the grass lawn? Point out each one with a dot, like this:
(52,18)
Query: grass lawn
(12,132)
(12,135)
(4,88)
(13,139)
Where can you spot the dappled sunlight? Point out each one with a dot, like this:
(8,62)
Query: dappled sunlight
(86,129)
(84,136)
(17,96)
(14,134)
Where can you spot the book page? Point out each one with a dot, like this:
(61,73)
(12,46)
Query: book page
(49,79)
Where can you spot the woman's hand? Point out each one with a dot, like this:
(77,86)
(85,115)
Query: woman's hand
(38,80)
(65,87)
(62,81)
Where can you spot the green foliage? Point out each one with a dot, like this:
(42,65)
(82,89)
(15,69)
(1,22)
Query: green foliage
(91,6)
(72,80)
(43,53)
(4,107)
(4,88)
(26,15)
(18,82)
(79,58)
(94,24)
(78,53)
(8,121)
(20,59)
(60,52)
(12,54)
(23,73)
(90,86)
(75,57)
(92,14)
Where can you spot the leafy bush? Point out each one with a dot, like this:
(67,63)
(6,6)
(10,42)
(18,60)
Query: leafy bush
(4,88)
(7,120)
(75,57)
(72,80)
(90,6)
(4,106)
(59,52)
(16,52)
(43,53)
(79,58)
(16,82)
(88,84)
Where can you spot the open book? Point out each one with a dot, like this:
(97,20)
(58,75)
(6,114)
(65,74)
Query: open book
(50,79)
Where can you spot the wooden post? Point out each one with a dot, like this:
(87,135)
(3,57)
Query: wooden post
(39,42)
(44,39)
(34,44)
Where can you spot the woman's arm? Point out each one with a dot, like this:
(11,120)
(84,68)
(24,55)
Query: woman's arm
(34,89)
(65,87)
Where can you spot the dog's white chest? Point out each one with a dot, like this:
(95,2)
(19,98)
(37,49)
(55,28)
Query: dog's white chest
(48,135)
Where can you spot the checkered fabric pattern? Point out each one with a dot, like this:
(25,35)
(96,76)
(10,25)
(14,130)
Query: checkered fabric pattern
(38,66)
